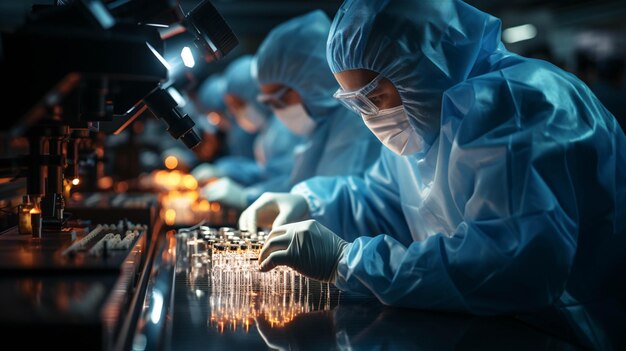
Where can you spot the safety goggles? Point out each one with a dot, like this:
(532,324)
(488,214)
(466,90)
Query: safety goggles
(357,100)
(274,99)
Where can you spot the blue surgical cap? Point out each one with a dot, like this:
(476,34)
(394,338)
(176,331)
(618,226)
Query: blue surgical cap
(422,46)
(211,94)
(294,54)
(241,80)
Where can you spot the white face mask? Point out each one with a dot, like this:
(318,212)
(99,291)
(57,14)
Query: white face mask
(250,118)
(295,118)
(392,127)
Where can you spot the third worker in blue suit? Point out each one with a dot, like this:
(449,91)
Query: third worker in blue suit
(238,144)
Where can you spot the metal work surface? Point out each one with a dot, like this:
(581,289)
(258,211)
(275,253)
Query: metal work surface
(219,307)
(73,287)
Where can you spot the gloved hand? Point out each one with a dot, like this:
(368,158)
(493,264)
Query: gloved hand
(226,191)
(272,210)
(308,247)
(205,172)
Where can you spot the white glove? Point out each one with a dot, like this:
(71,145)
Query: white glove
(226,191)
(205,172)
(272,210)
(308,247)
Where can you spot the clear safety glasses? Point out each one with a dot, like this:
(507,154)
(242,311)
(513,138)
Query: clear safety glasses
(357,100)
(274,99)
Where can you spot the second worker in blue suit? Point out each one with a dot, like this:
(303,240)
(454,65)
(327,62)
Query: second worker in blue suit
(243,181)
(298,85)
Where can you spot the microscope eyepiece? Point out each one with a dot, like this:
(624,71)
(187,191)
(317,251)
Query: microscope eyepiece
(191,139)
(164,107)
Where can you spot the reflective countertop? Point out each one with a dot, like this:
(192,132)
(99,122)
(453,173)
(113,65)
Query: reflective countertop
(216,310)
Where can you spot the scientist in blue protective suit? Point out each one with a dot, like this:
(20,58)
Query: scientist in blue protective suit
(502,187)
(238,143)
(209,101)
(297,84)
(243,182)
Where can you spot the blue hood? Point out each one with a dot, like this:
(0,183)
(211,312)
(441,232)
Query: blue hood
(241,81)
(294,54)
(211,94)
(422,47)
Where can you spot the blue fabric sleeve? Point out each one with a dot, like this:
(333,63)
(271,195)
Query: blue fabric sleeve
(242,170)
(278,183)
(352,206)
(475,270)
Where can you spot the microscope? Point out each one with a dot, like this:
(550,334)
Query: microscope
(76,72)
(93,63)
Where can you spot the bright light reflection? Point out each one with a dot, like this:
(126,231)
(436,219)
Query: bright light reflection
(180,100)
(161,58)
(187,57)
(519,33)
(157,307)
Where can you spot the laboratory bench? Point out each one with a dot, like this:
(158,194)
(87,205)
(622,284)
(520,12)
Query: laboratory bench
(175,288)
(217,307)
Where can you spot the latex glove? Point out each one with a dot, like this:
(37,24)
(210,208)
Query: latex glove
(273,210)
(205,172)
(308,247)
(226,191)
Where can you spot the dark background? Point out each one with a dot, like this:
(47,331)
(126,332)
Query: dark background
(563,27)
(585,37)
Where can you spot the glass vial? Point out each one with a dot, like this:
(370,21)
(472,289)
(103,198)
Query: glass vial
(24,220)
(36,221)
